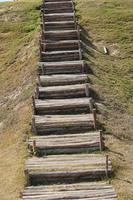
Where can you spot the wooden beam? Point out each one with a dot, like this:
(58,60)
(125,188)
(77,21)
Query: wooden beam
(34,147)
(82,191)
(101,141)
(33,105)
(63,91)
(107,166)
(62,67)
(65,167)
(91,104)
(52,124)
(69,143)
(62,79)
(34,126)
(87,90)
(38,79)
(95,118)
(63,106)
(37,91)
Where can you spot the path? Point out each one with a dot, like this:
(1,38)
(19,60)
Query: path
(67,161)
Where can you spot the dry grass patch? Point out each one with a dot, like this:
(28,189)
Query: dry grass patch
(19,53)
(109,23)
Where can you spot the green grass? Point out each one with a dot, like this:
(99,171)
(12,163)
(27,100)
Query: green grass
(19,20)
(19,25)
(109,23)
(19,30)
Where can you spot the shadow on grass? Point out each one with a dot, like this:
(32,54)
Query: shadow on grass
(89,50)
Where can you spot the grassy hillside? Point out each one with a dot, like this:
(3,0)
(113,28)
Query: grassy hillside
(18,59)
(109,23)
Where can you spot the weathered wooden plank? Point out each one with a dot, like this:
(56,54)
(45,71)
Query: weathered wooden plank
(60,45)
(65,52)
(60,92)
(70,168)
(61,25)
(90,186)
(75,194)
(59,17)
(66,67)
(51,124)
(65,143)
(64,79)
(58,4)
(112,197)
(80,191)
(58,35)
(59,14)
(58,10)
(66,32)
(63,106)
(54,1)
(51,56)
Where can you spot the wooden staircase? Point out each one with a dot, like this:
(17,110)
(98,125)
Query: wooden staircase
(66,149)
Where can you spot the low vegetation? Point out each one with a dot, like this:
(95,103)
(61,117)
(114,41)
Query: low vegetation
(109,23)
(19,25)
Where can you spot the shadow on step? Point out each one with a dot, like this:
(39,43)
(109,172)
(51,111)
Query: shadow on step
(40,180)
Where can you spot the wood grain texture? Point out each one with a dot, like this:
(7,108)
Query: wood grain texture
(60,45)
(64,79)
(61,35)
(64,167)
(59,17)
(63,123)
(67,67)
(70,143)
(60,92)
(63,106)
(51,56)
(86,191)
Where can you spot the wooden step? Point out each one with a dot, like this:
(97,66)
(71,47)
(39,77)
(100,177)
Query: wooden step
(68,8)
(66,91)
(61,35)
(59,17)
(51,56)
(61,45)
(61,25)
(81,191)
(63,79)
(58,10)
(62,106)
(61,168)
(61,124)
(67,67)
(59,4)
(70,143)
(56,1)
